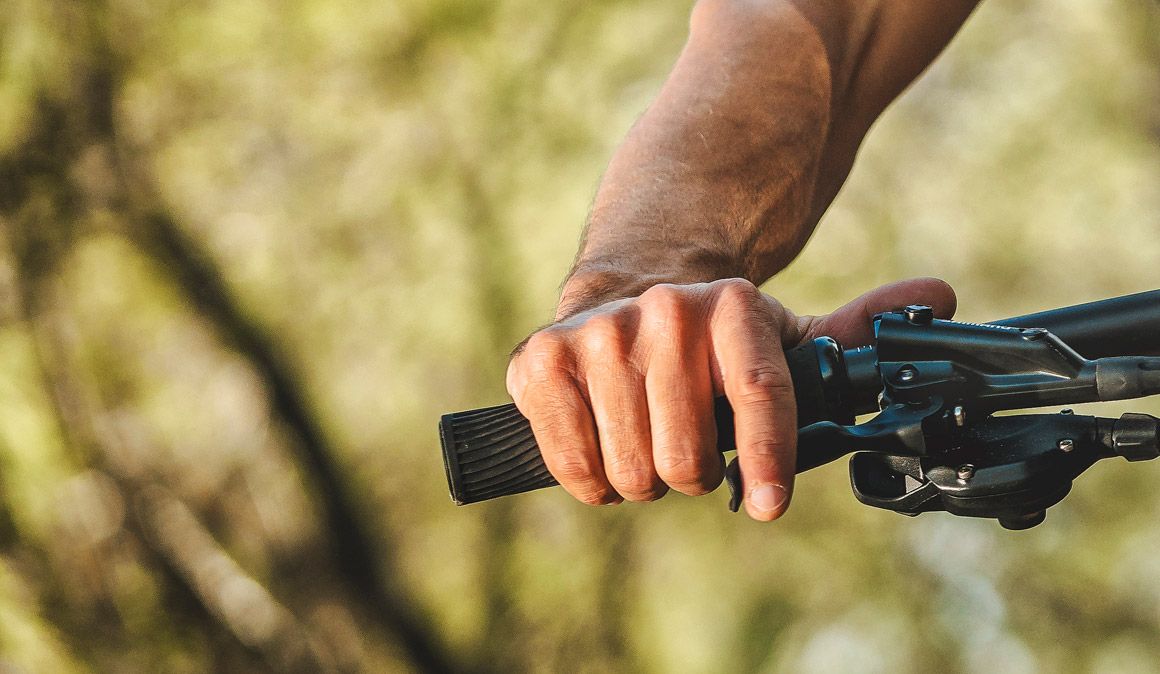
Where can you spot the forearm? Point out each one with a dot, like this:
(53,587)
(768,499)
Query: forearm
(750,138)
(715,179)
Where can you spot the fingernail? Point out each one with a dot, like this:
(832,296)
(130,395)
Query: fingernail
(767,498)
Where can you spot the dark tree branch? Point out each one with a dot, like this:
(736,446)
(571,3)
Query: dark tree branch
(42,201)
(370,576)
(73,419)
(354,549)
(250,613)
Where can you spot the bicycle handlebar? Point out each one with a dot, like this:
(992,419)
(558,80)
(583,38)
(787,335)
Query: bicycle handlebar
(492,452)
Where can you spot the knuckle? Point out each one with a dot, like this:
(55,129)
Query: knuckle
(737,290)
(636,483)
(604,335)
(664,298)
(648,495)
(573,473)
(667,310)
(687,473)
(547,359)
(515,380)
(581,482)
(763,383)
(770,446)
(595,497)
(740,300)
(547,341)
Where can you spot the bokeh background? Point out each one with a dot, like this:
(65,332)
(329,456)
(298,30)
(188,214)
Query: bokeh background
(250,250)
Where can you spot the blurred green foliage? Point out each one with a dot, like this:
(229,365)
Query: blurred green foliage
(253,249)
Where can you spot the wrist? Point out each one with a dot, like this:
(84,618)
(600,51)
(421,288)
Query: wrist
(586,289)
(591,284)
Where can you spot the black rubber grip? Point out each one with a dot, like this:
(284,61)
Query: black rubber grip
(492,452)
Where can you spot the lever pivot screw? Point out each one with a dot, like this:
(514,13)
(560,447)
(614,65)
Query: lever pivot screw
(965,472)
(1066,445)
(959,415)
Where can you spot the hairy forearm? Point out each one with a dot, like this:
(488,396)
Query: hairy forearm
(715,179)
(728,171)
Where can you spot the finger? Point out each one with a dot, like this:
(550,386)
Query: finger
(561,419)
(617,393)
(852,324)
(680,403)
(755,378)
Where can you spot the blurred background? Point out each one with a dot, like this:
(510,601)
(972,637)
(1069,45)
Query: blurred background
(250,250)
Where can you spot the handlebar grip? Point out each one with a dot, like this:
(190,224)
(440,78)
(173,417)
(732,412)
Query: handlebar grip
(492,452)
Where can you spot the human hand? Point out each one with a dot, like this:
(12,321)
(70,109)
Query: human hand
(620,397)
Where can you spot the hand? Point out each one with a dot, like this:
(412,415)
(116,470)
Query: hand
(620,397)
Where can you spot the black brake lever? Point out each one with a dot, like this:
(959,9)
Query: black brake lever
(899,430)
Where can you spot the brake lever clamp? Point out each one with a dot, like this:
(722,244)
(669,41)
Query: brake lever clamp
(1010,468)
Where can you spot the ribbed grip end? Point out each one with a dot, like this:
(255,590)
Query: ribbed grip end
(491,452)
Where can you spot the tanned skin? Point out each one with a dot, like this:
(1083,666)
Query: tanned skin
(715,190)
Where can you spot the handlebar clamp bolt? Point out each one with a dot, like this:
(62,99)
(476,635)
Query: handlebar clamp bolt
(1066,445)
(918,314)
(965,472)
(907,373)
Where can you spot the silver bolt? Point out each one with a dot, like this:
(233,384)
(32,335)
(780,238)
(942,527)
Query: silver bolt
(960,416)
(1066,445)
(907,373)
(965,472)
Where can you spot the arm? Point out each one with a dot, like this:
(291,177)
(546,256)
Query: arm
(749,140)
(714,190)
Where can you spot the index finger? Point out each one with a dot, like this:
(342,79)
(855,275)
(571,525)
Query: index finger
(746,341)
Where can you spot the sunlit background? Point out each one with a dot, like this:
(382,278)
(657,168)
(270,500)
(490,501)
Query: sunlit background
(250,250)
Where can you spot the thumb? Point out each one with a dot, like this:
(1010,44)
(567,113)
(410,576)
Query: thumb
(852,324)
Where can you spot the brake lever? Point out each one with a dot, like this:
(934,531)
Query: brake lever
(900,430)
